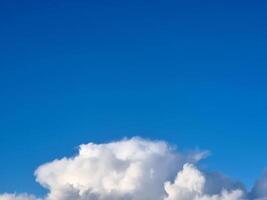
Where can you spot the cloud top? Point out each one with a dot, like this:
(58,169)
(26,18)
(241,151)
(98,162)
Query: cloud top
(135,169)
(190,185)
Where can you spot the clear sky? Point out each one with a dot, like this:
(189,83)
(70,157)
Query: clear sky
(193,73)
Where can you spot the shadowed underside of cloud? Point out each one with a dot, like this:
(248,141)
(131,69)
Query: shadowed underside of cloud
(136,169)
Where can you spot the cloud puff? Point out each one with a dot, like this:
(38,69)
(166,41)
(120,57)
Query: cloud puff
(135,169)
(190,185)
(128,169)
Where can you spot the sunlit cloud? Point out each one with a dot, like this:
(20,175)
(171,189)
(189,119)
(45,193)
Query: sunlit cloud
(136,169)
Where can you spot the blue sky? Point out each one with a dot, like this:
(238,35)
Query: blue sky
(189,72)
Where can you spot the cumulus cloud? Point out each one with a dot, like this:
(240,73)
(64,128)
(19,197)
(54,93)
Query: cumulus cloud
(190,185)
(128,169)
(136,169)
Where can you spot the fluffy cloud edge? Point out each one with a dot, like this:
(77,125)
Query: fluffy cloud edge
(24,196)
(136,169)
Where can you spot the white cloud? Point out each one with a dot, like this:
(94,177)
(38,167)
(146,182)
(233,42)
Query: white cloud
(190,185)
(122,170)
(7,196)
(135,169)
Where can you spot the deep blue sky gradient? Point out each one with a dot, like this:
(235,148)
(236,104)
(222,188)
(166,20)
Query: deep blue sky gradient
(193,73)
